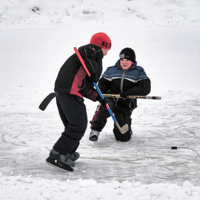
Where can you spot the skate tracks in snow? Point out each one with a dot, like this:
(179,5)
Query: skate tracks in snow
(26,139)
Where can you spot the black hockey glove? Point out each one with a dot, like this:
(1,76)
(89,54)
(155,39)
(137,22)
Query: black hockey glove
(102,101)
(124,94)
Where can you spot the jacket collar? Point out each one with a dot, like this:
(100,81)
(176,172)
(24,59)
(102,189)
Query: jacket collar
(98,51)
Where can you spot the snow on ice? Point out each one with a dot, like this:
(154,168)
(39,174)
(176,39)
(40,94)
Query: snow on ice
(38,36)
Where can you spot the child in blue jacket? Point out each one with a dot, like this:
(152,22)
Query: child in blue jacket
(124,78)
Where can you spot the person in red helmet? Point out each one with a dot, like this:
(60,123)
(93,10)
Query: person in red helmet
(71,85)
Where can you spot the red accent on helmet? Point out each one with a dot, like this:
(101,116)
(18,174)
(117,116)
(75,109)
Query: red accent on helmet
(101,40)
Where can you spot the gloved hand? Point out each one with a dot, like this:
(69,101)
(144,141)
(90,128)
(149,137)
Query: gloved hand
(102,101)
(124,94)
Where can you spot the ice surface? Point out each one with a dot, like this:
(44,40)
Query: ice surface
(36,39)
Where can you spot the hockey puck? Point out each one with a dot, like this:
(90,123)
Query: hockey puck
(173,147)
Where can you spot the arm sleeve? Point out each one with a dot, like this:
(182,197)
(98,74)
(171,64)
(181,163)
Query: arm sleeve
(92,63)
(143,85)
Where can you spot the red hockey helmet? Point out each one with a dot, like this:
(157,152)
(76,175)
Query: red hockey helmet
(101,40)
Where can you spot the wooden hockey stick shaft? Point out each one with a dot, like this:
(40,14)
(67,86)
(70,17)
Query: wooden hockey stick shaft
(132,96)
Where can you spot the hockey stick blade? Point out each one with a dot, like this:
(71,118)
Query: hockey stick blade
(46,101)
(122,129)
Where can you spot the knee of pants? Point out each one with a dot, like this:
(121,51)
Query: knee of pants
(79,124)
(125,139)
(78,128)
(74,134)
(122,137)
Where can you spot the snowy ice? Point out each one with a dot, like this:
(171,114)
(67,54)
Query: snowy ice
(36,39)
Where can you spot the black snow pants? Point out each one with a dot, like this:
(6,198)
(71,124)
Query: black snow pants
(100,119)
(73,114)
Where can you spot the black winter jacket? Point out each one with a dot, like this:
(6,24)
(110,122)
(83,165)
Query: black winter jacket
(73,79)
(134,80)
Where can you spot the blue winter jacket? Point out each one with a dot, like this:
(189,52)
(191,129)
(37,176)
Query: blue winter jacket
(134,80)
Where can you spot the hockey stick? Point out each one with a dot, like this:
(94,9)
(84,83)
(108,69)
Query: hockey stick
(123,129)
(46,101)
(132,96)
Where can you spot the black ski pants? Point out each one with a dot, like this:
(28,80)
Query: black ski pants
(100,119)
(73,114)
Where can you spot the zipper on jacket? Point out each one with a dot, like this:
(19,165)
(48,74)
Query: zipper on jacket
(122,81)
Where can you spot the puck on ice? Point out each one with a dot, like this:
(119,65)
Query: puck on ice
(173,147)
